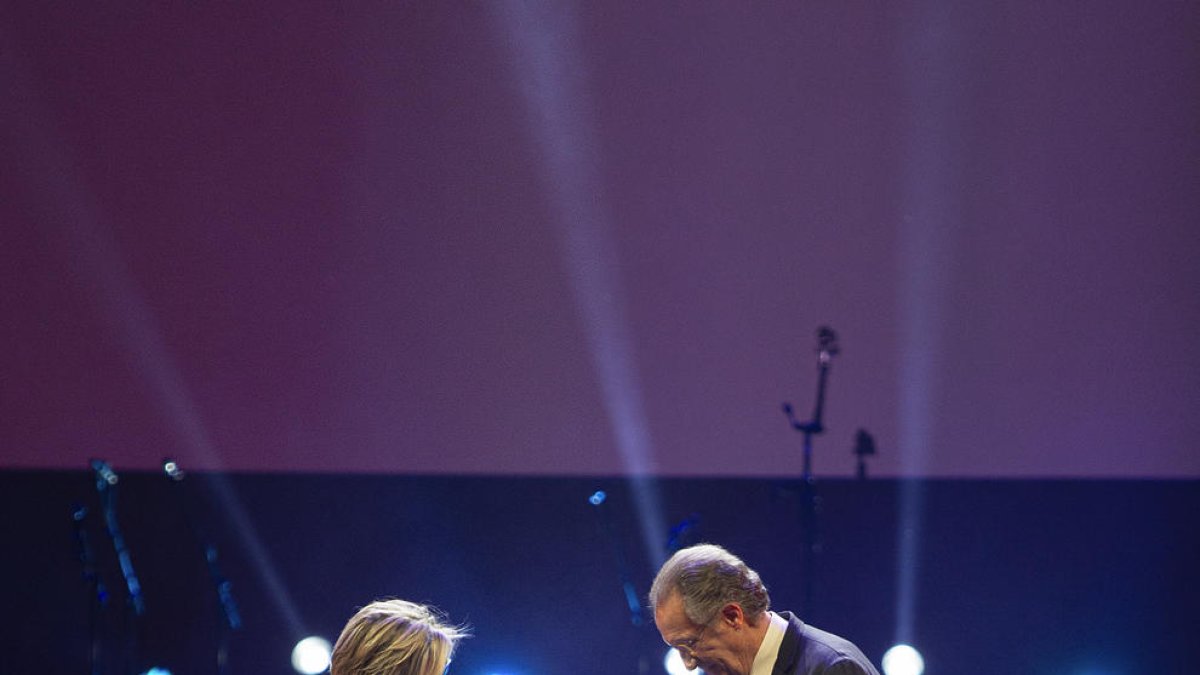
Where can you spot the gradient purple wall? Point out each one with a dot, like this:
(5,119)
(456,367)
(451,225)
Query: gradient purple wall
(304,238)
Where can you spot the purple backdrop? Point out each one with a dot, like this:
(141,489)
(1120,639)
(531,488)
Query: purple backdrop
(598,240)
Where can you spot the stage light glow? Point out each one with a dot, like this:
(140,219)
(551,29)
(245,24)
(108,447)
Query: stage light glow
(97,257)
(157,671)
(550,68)
(311,655)
(673,662)
(932,71)
(597,498)
(903,660)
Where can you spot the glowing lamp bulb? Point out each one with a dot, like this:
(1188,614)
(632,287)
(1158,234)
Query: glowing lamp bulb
(673,663)
(311,655)
(903,660)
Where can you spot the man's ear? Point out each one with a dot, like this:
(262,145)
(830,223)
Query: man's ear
(732,614)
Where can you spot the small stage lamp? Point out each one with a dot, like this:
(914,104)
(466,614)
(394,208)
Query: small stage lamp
(903,660)
(673,662)
(311,655)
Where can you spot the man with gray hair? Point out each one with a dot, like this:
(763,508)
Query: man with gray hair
(716,612)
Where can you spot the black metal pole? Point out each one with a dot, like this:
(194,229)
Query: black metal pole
(97,593)
(106,485)
(231,618)
(637,615)
(827,348)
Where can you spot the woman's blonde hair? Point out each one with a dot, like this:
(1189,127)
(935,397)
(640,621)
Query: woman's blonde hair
(395,637)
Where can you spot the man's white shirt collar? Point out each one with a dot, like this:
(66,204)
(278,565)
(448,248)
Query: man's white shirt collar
(768,651)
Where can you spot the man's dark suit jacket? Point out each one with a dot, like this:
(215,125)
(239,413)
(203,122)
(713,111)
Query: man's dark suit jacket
(810,651)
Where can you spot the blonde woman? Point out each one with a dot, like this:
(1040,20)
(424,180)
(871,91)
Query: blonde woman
(395,637)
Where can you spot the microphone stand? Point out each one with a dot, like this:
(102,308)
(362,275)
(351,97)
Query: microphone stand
(827,348)
(637,615)
(231,619)
(97,593)
(106,485)
(864,446)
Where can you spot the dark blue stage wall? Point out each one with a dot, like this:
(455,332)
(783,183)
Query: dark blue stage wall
(1011,576)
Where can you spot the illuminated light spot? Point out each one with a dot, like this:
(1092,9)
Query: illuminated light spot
(673,662)
(903,660)
(311,655)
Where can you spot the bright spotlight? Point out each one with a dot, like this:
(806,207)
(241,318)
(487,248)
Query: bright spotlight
(673,662)
(597,498)
(903,660)
(311,655)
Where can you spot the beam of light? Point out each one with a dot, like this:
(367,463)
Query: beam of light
(933,72)
(543,40)
(49,168)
